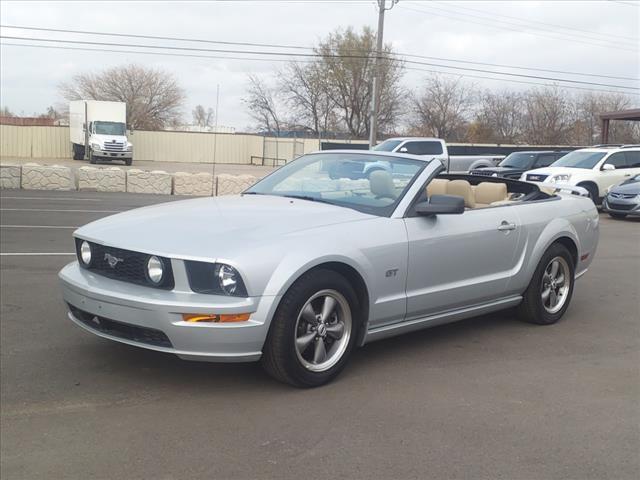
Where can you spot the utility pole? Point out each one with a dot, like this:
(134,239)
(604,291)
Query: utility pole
(373,120)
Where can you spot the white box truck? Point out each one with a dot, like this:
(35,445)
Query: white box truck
(98,131)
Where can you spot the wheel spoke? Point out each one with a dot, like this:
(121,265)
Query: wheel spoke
(554,269)
(545,294)
(327,307)
(553,298)
(320,352)
(336,330)
(308,315)
(560,280)
(304,341)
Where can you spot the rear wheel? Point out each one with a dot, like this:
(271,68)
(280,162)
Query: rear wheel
(313,331)
(549,293)
(78,151)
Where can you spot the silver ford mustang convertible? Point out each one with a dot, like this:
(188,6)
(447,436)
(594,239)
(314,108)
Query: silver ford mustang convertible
(311,262)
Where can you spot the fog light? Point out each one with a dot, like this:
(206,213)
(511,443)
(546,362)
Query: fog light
(215,318)
(85,253)
(155,270)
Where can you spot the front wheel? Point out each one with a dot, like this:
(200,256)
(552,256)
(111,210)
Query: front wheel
(548,295)
(313,331)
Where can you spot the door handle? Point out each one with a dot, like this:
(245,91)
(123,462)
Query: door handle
(506,226)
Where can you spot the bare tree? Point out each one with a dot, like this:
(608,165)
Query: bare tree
(443,107)
(306,91)
(549,116)
(5,112)
(590,105)
(153,97)
(500,117)
(202,117)
(346,64)
(261,102)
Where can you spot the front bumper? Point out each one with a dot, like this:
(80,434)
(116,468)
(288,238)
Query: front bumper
(622,206)
(115,155)
(145,317)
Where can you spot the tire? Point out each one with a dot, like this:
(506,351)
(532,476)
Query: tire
(593,192)
(618,216)
(92,159)
(533,308)
(128,162)
(291,346)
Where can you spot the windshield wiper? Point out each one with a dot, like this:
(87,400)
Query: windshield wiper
(306,197)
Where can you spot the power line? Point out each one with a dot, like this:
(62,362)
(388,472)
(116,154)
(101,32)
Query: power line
(501,27)
(564,27)
(312,55)
(183,55)
(301,47)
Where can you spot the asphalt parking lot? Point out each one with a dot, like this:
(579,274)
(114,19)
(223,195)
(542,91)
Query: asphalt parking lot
(488,397)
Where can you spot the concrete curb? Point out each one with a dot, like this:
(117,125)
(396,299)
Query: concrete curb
(111,179)
(193,184)
(50,177)
(10,176)
(155,181)
(233,184)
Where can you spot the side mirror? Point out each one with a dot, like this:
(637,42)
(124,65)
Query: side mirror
(403,150)
(441,205)
(608,167)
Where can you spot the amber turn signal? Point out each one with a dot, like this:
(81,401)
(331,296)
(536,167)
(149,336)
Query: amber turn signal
(215,318)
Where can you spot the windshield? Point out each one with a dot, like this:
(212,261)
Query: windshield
(518,160)
(368,183)
(579,159)
(387,145)
(109,128)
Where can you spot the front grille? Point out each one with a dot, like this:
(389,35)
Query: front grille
(622,195)
(482,172)
(536,178)
(128,266)
(114,146)
(150,336)
(620,206)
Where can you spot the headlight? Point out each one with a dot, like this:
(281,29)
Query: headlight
(155,270)
(638,198)
(560,178)
(523,177)
(95,146)
(85,253)
(215,279)
(129,147)
(494,175)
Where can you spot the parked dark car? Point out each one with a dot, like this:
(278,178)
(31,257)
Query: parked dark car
(623,199)
(517,163)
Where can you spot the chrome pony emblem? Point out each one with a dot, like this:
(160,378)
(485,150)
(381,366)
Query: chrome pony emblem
(112,260)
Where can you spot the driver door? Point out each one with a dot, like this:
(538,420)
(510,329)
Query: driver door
(460,260)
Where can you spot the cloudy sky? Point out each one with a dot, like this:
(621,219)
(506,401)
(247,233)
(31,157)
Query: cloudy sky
(594,37)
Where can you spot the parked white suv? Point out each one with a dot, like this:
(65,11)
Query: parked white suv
(596,169)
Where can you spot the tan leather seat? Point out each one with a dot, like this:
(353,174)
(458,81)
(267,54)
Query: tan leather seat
(487,193)
(437,186)
(462,188)
(381,184)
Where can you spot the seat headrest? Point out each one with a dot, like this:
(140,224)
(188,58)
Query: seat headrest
(488,192)
(462,188)
(381,184)
(437,186)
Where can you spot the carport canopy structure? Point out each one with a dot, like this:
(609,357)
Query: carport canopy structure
(631,114)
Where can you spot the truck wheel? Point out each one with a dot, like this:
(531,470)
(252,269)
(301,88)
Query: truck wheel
(91,158)
(128,161)
(548,295)
(313,330)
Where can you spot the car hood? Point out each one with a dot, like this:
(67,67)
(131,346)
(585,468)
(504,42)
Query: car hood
(628,186)
(209,228)
(108,138)
(556,171)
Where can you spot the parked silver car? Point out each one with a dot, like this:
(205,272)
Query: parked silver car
(623,199)
(303,267)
